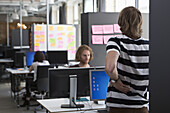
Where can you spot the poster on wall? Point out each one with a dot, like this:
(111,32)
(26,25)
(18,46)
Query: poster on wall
(40,38)
(62,37)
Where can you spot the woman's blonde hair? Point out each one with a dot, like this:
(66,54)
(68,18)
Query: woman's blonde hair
(80,51)
(130,22)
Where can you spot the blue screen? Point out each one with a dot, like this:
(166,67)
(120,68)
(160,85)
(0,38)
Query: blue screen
(30,58)
(98,84)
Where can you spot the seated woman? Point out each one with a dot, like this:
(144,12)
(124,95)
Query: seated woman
(84,55)
(39,59)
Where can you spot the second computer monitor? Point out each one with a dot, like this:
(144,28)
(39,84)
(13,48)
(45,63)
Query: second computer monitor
(57,57)
(19,59)
(98,85)
(30,58)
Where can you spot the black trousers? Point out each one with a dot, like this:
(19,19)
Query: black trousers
(30,85)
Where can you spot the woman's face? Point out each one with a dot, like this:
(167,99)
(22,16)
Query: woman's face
(85,57)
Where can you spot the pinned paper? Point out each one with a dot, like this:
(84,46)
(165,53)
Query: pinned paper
(97,39)
(38,28)
(37,40)
(97,29)
(70,28)
(59,28)
(36,48)
(42,36)
(107,37)
(37,36)
(108,29)
(60,46)
(59,34)
(53,44)
(51,35)
(42,40)
(52,40)
(37,44)
(50,28)
(42,33)
(36,33)
(117,28)
(60,38)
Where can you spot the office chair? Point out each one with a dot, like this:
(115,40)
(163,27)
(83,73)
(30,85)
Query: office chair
(42,86)
(42,80)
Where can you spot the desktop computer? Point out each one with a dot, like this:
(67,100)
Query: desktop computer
(60,82)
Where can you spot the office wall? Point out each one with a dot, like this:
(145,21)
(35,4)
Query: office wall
(159,56)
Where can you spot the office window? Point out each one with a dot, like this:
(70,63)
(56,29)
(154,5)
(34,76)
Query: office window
(144,6)
(76,14)
(88,6)
(118,5)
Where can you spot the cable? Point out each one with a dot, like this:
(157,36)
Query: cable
(76,105)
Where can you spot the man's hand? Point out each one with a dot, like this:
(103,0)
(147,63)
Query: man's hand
(120,86)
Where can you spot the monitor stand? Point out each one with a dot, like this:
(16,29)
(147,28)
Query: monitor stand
(73,93)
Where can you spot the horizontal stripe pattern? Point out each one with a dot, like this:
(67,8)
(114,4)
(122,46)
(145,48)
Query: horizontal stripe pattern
(133,70)
(136,59)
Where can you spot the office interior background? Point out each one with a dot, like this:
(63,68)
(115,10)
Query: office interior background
(60,12)
(69,12)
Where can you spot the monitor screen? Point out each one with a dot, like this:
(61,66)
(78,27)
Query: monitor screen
(29,58)
(98,84)
(57,57)
(59,84)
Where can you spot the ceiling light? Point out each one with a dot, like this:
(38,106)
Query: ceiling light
(24,12)
(14,16)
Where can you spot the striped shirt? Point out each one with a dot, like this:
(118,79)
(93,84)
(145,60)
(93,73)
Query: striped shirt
(133,70)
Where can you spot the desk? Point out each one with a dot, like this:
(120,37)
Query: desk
(15,74)
(18,71)
(54,105)
(6,61)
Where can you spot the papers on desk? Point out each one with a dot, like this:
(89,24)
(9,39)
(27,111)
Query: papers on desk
(20,69)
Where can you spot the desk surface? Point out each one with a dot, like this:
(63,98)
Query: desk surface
(6,61)
(54,105)
(18,71)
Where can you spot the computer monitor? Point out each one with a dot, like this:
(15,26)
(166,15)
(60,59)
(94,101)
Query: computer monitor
(60,82)
(19,59)
(8,52)
(30,58)
(98,84)
(57,57)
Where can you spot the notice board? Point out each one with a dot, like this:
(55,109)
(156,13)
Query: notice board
(60,37)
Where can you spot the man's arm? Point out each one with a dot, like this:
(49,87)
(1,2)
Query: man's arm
(111,70)
(111,65)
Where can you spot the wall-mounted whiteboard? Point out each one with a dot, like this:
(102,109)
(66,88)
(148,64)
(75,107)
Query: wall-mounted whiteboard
(60,37)
(40,38)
